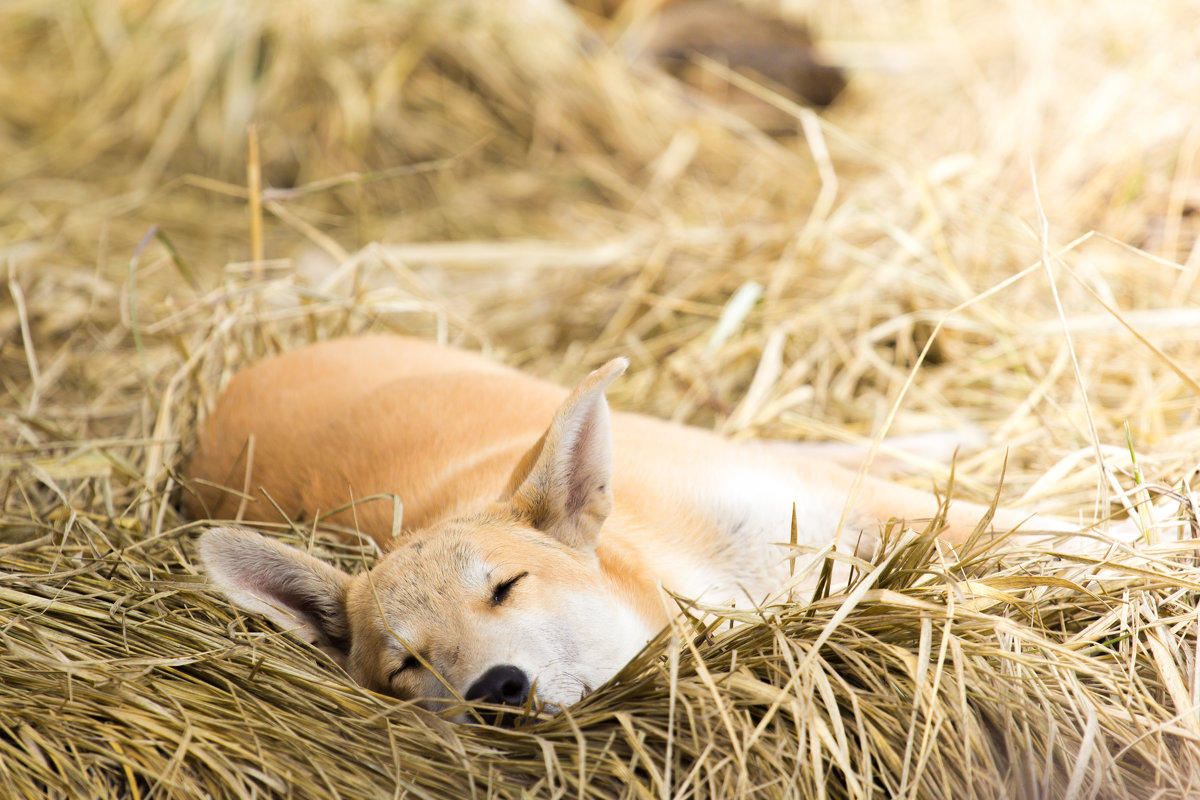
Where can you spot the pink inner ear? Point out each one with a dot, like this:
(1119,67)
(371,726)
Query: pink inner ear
(581,467)
(310,596)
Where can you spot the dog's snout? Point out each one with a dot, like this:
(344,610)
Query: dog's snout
(503,684)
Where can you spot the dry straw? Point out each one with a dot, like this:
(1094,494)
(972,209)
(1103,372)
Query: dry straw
(465,171)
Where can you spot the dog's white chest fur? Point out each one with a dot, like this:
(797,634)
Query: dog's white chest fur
(746,512)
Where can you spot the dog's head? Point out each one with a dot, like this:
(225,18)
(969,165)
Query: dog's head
(493,606)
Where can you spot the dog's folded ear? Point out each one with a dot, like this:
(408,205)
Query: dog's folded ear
(563,486)
(299,593)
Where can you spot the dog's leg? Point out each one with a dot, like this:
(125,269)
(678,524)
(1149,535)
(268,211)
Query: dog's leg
(897,455)
(869,503)
(879,500)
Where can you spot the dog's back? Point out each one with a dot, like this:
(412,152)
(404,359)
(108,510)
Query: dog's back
(347,419)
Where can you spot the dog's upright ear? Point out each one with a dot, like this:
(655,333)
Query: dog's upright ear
(563,486)
(297,592)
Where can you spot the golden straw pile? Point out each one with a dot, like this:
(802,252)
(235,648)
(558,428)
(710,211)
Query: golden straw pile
(995,229)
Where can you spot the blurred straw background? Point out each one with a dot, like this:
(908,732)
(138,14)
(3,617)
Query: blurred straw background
(996,228)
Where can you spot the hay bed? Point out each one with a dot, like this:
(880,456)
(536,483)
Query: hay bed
(430,171)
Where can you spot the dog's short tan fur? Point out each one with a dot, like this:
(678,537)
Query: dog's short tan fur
(532,557)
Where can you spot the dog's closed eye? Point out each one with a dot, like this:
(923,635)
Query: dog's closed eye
(500,593)
(409,663)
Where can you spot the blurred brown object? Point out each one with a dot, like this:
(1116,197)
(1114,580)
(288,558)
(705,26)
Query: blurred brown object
(777,53)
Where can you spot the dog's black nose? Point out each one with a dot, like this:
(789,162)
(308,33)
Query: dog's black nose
(503,684)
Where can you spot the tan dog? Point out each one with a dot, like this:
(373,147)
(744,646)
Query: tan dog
(532,558)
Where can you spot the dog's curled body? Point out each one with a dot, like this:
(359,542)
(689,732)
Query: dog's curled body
(540,549)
